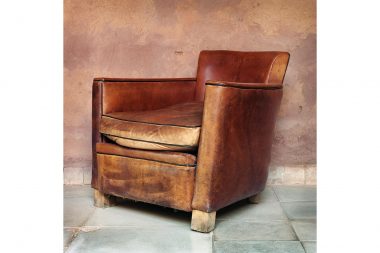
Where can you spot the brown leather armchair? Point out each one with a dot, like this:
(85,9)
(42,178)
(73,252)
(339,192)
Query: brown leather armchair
(188,143)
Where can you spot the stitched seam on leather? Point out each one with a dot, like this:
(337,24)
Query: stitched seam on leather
(149,141)
(245,88)
(145,159)
(157,124)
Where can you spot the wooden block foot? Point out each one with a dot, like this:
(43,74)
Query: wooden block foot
(202,221)
(255,199)
(103,200)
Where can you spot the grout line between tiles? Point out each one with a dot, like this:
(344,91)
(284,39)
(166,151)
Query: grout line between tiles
(134,226)
(212,242)
(275,193)
(72,238)
(254,220)
(295,233)
(250,240)
(303,247)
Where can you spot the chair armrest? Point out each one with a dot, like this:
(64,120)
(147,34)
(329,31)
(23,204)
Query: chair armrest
(132,94)
(235,142)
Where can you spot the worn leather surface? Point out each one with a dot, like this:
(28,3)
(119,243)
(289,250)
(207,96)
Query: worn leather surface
(149,181)
(125,94)
(175,127)
(234,150)
(176,158)
(135,95)
(183,115)
(237,66)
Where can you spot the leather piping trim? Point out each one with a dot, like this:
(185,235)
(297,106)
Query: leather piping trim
(151,160)
(245,87)
(149,123)
(161,143)
(271,67)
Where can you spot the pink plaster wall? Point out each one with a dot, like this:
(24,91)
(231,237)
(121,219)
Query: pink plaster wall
(162,38)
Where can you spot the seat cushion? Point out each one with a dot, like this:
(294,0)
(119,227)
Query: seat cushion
(175,128)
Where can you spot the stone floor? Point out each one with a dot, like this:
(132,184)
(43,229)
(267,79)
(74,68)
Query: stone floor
(283,222)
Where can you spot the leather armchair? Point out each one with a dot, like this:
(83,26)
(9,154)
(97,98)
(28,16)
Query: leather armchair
(193,144)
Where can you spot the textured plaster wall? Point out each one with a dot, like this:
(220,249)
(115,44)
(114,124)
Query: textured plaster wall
(162,38)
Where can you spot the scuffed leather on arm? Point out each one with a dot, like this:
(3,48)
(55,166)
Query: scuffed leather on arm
(235,142)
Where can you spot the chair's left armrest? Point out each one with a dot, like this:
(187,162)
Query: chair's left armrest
(235,143)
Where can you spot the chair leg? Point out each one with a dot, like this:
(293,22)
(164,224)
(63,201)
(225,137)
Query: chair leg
(255,199)
(202,221)
(102,200)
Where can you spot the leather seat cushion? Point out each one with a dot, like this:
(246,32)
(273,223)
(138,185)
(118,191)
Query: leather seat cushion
(175,128)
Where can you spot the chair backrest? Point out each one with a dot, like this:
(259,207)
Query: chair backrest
(236,66)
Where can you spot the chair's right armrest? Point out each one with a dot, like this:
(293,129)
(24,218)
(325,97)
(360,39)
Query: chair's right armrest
(133,94)
(235,142)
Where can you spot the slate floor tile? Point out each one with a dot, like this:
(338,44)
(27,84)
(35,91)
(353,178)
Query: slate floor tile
(300,210)
(268,195)
(77,211)
(78,191)
(141,240)
(310,247)
(258,247)
(263,211)
(247,230)
(305,230)
(295,193)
